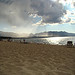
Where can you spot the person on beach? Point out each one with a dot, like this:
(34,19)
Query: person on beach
(24,40)
(8,40)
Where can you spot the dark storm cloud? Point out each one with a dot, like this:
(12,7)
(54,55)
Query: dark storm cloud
(51,12)
(17,12)
(6,1)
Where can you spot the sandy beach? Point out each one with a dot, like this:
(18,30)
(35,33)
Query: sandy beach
(36,59)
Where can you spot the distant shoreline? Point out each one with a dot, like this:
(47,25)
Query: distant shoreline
(3,37)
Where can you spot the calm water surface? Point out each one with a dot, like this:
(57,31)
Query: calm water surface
(52,40)
(49,40)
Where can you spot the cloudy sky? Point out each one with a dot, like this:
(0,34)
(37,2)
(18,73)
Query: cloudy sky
(32,16)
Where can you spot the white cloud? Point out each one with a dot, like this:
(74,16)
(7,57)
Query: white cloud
(15,14)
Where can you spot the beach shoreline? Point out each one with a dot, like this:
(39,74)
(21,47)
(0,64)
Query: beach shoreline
(36,59)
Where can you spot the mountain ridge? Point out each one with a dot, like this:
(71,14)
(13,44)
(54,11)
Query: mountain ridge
(41,34)
(53,34)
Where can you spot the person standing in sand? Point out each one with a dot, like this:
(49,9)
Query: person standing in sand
(24,40)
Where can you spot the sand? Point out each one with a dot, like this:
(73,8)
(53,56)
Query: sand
(36,59)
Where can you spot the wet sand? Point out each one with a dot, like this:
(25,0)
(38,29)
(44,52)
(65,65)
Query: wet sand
(36,59)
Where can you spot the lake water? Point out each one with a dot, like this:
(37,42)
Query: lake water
(50,40)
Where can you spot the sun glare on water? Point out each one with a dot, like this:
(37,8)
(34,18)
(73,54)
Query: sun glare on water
(55,40)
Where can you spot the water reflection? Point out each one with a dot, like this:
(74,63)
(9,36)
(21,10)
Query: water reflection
(59,40)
